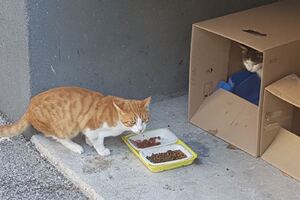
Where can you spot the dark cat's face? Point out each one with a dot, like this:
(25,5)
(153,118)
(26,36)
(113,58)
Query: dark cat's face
(252,58)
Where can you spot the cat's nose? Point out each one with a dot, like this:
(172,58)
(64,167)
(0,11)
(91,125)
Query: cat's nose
(141,130)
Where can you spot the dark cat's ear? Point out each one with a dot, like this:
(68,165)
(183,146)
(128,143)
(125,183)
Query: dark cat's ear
(244,48)
(146,102)
(260,55)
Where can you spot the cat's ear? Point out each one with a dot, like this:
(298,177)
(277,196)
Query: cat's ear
(244,48)
(146,102)
(118,108)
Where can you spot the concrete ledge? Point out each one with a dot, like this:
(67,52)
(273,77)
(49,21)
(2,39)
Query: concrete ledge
(221,172)
(44,146)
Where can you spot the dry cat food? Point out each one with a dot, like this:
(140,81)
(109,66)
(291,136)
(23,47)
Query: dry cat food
(166,156)
(146,142)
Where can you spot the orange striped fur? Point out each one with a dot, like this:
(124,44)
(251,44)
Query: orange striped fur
(66,111)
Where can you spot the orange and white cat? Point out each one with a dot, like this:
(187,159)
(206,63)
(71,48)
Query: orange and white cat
(63,113)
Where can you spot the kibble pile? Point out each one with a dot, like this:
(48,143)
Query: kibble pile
(166,156)
(153,141)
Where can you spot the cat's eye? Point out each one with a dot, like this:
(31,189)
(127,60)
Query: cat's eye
(129,123)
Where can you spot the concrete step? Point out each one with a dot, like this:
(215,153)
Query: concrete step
(220,173)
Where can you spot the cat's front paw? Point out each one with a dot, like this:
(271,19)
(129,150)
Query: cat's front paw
(103,151)
(88,141)
(77,149)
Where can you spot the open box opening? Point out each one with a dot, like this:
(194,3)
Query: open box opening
(221,112)
(215,54)
(280,134)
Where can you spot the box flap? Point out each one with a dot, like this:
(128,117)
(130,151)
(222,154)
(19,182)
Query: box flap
(287,89)
(209,54)
(284,153)
(231,118)
(261,28)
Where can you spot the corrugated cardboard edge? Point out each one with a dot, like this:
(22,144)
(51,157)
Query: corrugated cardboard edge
(286,89)
(239,131)
(275,55)
(229,37)
(284,153)
(262,13)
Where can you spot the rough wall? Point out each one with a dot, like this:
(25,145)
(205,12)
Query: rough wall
(14,67)
(128,48)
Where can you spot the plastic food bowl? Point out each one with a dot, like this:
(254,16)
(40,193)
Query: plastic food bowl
(169,141)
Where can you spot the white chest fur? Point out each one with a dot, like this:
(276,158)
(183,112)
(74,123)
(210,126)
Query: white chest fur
(106,131)
(112,131)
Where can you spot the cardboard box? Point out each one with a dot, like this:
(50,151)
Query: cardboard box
(274,30)
(280,141)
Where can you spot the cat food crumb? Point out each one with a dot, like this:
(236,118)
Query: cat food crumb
(166,156)
(146,142)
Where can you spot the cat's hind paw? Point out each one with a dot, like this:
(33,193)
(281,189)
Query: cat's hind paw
(103,152)
(77,149)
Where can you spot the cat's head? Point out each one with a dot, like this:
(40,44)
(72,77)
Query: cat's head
(252,59)
(134,114)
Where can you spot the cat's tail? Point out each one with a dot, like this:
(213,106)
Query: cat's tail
(16,128)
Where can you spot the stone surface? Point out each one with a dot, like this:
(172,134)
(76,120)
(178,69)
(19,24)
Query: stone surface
(222,172)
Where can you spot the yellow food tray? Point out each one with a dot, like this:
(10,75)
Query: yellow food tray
(163,167)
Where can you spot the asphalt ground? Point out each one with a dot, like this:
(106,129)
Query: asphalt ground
(25,174)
